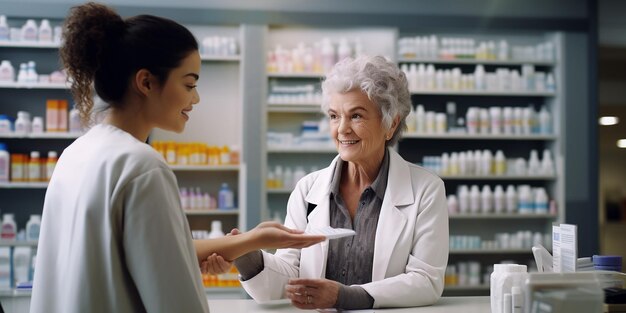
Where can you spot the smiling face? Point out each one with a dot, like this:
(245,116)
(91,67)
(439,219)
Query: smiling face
(175,98)
(356,126)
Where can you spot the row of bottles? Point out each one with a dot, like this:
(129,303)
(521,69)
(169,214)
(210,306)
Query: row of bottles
(521,200)
(28,74)
(58,120)
(228,279)
(483,163)
(195,153)
(9,230)
(30,32)
(318,58)
(193,199)
(294,94)
(424,77)
(285,178)
(485,121)
(219,46)
(16,167)
(523,239)
(452,48)
(314,134)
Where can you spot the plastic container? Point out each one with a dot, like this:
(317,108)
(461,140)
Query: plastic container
(23,124)
(45,31)
(29,31)
(5,163)
(225,198)
(216,230)
(7,72)
(32,227)
(503,278)
(4,28)
(9,228)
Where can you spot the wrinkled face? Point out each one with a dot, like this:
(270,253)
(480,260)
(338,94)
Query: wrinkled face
(177,95)
(356,126)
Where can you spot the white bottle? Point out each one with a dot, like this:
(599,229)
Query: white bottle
(206,201)
(487,163)
(430,122)
(503,51)
(545,121)
(518,116)
(7,72)
(495,114)
(451,115)
(445,164)
(463,168)
(328,55)
(487,199)
(472,119)
(547,166)
(508,121)
(511,199)
(453,205)
(484,121)
(541,201)
(464,205)
(420,119)
(474,199)
(45,31)
(5,163)
(29,31)
(499,201)
(550,83)
(216,230)
(440,123)
(37,126)
(22,123)
(479,76)
(534,167)
(4,29)
(21,264)
(9,228)
(454,164)
(32,227)
(22,74)
(344,50)
(288,178)
(31,74)
(525,199)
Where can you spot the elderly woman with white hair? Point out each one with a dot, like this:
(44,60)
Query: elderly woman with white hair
(397,209)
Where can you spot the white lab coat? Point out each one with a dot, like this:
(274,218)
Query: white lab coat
(411,248)
(113,236)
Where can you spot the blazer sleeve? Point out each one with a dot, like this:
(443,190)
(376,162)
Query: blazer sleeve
(278,268)
(423,279)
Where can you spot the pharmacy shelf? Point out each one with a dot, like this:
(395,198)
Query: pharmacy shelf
(15,293)
(484,93)
(42,136)
(491,251)
(18,243)
(279,191)
(503,216)
(478,137)
(16,85)
(208,168)
(476,61)
(220,58)
(27,44)
(294,108)
(295,75)
(23,185)
(223,289)
(321,150)
(216,212)
(466,288)
(493,177)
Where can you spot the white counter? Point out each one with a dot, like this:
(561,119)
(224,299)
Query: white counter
(445,305)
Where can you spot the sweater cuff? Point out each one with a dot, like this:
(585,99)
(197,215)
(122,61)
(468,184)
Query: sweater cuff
(353,298)
(249,264)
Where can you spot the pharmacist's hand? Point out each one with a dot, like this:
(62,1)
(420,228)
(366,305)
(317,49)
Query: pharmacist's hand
(310,294)
(273,235)
(215,264)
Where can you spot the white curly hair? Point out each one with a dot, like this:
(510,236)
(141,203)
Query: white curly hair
(381,80)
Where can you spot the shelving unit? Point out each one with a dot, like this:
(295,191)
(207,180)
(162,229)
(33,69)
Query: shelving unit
(414,146)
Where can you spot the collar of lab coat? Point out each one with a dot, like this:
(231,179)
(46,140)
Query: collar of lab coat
(399,193)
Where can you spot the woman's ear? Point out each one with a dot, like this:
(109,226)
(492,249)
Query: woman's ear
(392,129)
(144,81)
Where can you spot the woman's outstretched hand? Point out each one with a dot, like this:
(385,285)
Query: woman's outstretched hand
(274,235)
